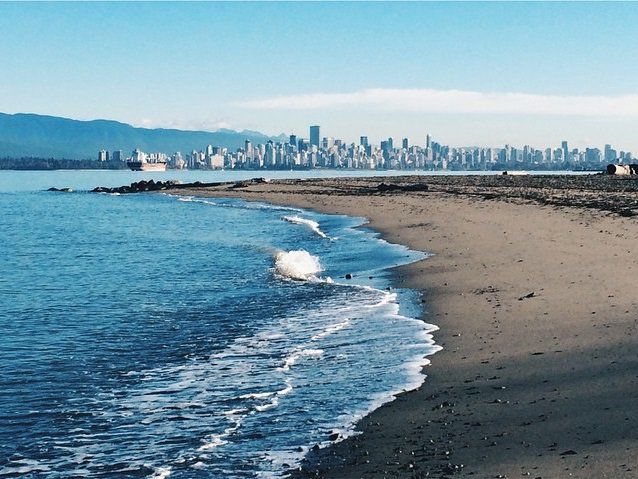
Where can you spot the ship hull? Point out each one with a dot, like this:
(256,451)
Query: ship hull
(139,166)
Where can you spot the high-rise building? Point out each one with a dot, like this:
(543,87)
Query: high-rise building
(327,143)
(314,135)
(103,155)
(549,155)
(363,141)
(565,149)
(139,156)
(405,143)
(592,155)
(117,155)
(293,140)
(269,154)
(177,161)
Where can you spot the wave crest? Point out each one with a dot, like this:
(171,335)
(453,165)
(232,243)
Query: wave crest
(297,264)
(313,225)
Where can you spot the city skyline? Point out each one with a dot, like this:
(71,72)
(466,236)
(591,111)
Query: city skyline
(477,74)
(318,151)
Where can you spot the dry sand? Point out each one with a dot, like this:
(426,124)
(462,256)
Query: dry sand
(534,287)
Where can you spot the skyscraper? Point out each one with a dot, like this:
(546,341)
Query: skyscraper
(314,135)
(363,141)
(610,154)
(248,147)
(293,140)
(565,149)
(428,141)
(269,156)
(592,155)
(405,144)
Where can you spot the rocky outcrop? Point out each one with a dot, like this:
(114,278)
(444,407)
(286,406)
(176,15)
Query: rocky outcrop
(138,187)
(152,185)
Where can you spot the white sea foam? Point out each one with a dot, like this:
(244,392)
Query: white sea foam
(257,395)
(292,359)
(215,441)
(161,473)
(333,328)
(192,199)
(287,390)
(269,405)
(388,299)
(248,205)
(273,402)
(313,225)
(297,264)
(266,206)
(235,412)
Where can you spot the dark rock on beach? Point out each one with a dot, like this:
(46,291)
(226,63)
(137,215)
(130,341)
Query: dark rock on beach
(139,187)
(383,187)
(247,183)
(152,185)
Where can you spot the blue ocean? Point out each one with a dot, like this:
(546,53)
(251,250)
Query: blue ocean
(156,336)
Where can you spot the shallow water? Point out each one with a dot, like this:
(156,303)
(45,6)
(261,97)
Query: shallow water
(158,336)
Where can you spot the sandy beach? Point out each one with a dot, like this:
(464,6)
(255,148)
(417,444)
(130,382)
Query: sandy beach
(533,284)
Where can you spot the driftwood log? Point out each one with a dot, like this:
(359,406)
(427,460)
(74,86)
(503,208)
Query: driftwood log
(622,169)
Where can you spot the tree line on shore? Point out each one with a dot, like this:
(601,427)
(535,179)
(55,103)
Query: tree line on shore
(31,163)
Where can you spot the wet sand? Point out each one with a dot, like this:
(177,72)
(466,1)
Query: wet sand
(534,285)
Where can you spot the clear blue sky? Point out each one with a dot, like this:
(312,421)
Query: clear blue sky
(361,68)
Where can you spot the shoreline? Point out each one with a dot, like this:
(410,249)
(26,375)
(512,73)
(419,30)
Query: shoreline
(536,384)
(408,301)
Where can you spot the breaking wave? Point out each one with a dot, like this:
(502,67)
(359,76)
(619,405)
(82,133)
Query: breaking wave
(297,355)
(226,372)
(298,265)
(244,205)
(313,225)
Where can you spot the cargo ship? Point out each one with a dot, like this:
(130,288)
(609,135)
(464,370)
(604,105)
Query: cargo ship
(145,166)
(139,162)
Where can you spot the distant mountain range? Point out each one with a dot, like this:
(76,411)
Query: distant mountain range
(30,135)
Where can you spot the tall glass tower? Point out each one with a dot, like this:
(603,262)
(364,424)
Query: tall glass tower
(314,135)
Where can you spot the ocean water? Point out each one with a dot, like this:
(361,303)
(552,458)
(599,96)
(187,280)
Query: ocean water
(161,336)
(86,179)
